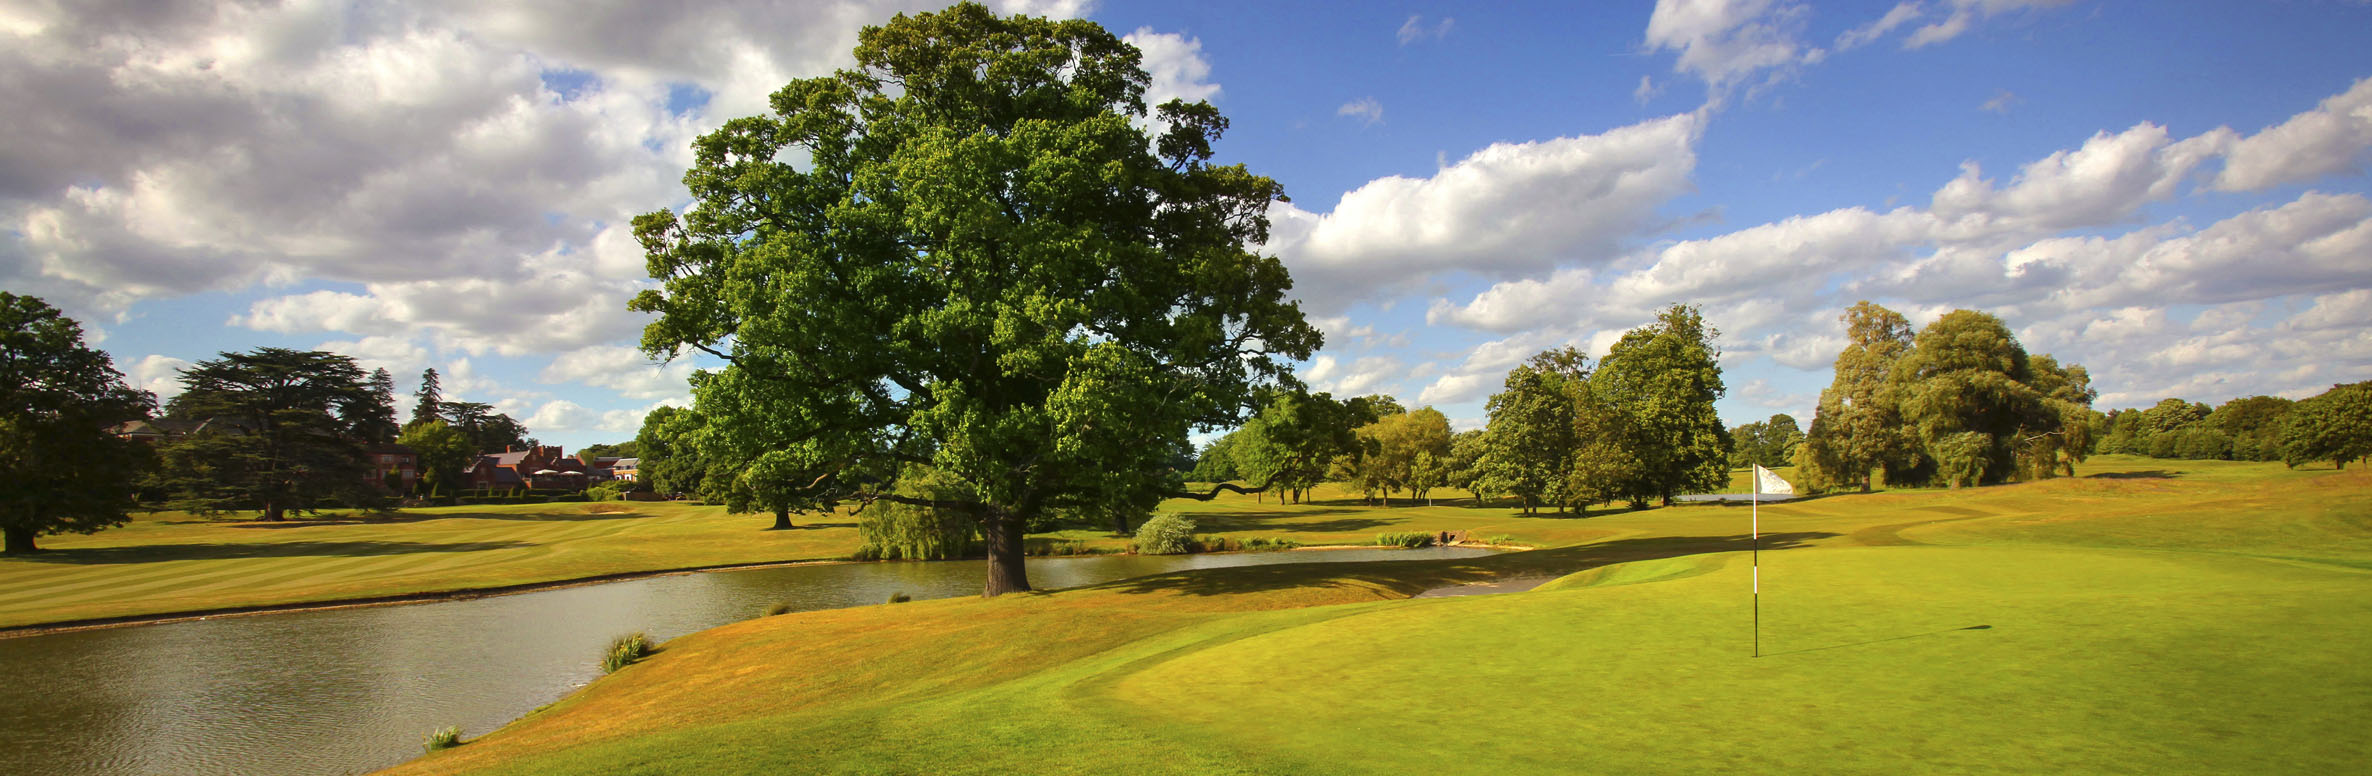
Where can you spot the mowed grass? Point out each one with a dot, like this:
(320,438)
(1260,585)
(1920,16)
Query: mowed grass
(2166,617)
(170,562)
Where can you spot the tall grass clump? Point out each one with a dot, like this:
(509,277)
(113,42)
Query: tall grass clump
(899,598)
(1265,544)
(1168,533)
(625,650)
(446,738)
(1404,539)
(779,607)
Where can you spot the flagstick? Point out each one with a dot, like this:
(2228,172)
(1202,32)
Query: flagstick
(1758,562)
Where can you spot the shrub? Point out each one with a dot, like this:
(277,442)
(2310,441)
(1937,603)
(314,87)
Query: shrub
(624,651)
(446,738)
(1265,544)
(899,598)
(1407,539)
(779,607)
(1168,533)
(613,490)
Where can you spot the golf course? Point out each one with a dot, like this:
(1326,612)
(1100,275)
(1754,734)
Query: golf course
(2151,616)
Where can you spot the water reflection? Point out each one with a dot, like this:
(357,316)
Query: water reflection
(353,690)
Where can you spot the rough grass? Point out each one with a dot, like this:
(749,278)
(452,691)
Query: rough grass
(2172,617)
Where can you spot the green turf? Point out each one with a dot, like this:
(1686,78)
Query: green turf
(171,562)
(2170,618)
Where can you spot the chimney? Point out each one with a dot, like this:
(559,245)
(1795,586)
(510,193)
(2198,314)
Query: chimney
(506,448)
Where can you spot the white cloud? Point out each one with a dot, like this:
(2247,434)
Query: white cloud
(398,355)
(1176,65)
(1902,13)
(2000,103)
(1726,42)
(1457,388)
(1365,109)
(630,421)
(160,375)
(2329,139)
(1507,209)
(1415,29)
(2103,182)
(559,415)
(1361,377)
(622,369)
(1965,13)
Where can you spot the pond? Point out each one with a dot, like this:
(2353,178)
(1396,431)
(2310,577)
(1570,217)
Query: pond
(349,690)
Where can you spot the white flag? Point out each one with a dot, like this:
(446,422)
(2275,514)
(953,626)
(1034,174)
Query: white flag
(1766,482)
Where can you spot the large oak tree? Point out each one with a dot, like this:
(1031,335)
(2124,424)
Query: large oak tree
(971,253)
(59,468)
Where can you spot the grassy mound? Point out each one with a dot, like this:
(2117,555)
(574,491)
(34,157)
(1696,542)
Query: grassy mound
(2207,619)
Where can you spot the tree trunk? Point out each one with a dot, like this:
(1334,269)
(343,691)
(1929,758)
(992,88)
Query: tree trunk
(1006,572)
(274,512)
(19,542)
(782,520)
(1120,523)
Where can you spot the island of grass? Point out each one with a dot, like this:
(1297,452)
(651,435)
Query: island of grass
(2153,617)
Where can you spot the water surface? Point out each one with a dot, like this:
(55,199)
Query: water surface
(352,690)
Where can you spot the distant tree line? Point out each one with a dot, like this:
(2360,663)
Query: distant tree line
(2335,426)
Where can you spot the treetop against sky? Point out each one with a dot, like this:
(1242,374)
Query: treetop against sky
(2173,195)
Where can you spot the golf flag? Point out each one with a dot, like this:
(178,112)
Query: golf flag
(1764,482)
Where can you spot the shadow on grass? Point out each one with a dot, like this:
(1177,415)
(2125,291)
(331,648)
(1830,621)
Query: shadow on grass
(162,552)
(1416,576)
(399,518)
(2151,474)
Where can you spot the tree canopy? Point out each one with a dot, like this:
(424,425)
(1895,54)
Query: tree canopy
(277,434)
(60,470)
(967,252)
(2334,426)
(1664,378)
(443,453)
(1858,426)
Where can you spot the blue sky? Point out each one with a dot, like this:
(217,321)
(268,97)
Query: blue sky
(2172,194)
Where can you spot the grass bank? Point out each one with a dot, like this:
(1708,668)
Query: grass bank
(2160,617)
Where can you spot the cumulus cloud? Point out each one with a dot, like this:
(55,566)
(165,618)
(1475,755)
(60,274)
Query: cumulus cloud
(160,375)
(2157,309)
(622,369)
(1507,209)
(2105,181)
(2329,139)
(1176,65)
(1727,42)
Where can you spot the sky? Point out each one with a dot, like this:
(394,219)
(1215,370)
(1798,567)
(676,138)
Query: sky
(2172,194)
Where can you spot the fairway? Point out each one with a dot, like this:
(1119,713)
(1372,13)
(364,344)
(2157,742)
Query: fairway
(170,562)
(2165,617)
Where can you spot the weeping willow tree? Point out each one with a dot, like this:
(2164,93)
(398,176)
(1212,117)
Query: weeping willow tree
(908,530)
